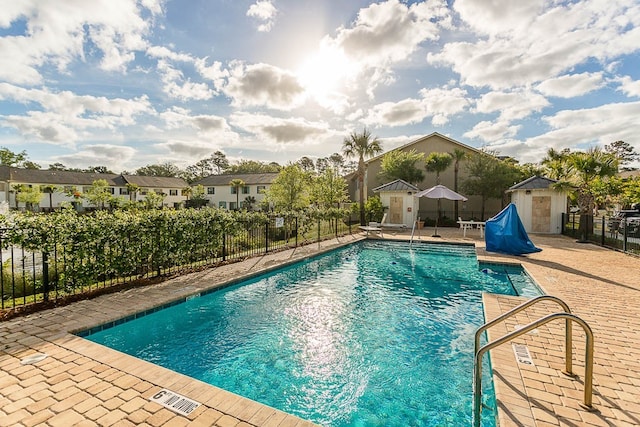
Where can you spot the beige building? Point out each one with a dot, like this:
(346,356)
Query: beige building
(434,142)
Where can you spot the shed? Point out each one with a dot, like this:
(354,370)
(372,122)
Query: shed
(398,197)
(539,205)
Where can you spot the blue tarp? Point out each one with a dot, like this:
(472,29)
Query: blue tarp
(505,233)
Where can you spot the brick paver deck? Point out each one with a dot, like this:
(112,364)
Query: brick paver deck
(82,383)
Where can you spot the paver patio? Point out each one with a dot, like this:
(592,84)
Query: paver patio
(82,383)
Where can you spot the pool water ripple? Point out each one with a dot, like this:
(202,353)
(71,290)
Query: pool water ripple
(371,334)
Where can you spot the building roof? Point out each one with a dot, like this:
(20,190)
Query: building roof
(629,174)
(55,177)
(397,185)
(431,135)
(155,181)
(248,178)
(533,183)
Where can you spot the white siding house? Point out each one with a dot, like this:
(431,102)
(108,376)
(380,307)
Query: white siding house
(60,187)
(540,207)
(219,193)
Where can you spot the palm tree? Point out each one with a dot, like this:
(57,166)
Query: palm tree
(458,155)
(237,184)
(50,189)
(361,146)
(583,170)
(438,162)
(133,191)
(249,201)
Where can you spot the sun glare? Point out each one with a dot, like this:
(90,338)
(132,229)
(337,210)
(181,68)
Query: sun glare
(325,74)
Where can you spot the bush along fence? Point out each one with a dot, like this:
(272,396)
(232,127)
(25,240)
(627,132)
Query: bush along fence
(603,230)
(50,257)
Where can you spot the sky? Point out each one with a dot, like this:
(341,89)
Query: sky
(128,83)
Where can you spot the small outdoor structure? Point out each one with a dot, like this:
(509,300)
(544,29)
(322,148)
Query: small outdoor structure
(539,205)
(398,197)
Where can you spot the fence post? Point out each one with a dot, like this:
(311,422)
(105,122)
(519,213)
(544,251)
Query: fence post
(266,236)
(318,230)
(224,246)
(624,235)
(45,276)
(603,231)
(296,232)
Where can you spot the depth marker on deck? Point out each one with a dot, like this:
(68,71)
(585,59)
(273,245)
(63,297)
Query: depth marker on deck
(522,354)
(174,401)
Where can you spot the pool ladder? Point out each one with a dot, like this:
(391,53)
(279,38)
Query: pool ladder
(569,318)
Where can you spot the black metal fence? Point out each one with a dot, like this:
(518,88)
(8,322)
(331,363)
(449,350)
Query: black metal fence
(603,230)
(78,266)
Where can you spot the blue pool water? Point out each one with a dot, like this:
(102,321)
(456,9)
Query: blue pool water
(373,334)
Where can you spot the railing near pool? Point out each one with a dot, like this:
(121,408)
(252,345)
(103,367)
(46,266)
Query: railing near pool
(32,278)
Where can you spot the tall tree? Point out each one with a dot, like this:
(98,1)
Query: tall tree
(162,169)
(30,196)
(252,166)
(306,164)
(50,189)
(99,193)
(328,190)
(322,164)
(219,160)
(290,190)
(18,160)
(361,145)
(438,163)
(585,169)
(337,162)
(398,164)
(132,189)
(623,151)
(237,184)
(489,177)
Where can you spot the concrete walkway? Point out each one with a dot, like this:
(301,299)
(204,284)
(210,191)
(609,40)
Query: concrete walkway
(82,383)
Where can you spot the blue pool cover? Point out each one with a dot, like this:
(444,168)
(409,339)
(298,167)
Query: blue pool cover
(505,233)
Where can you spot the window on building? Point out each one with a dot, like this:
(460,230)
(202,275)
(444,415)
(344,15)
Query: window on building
(157,190)
(232,206)
(262,189)
(222,205)
(124,191)
(173,192)
(211,190)
(112,190)
(246,190)
(143,191)
(233,190)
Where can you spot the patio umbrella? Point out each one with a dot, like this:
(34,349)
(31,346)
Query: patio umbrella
(440,192)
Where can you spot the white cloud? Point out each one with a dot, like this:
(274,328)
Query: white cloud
(279,131)
(263,85)
(594,126)
(629,86)
(111,156)
(66,115)
(492,131)
(498,16)
(397,113)
(540,47)
(571,85)
(176,86)
(57,33)
(264,11)
(512,105)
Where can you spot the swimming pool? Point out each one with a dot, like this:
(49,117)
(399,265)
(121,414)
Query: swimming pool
(375,333)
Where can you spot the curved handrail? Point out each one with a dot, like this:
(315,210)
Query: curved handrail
(524,305)
(588,369)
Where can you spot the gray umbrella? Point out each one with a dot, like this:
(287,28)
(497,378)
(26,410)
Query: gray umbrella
(440,192)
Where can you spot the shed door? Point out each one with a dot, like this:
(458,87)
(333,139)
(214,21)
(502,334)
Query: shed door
(396,210)
(541,214)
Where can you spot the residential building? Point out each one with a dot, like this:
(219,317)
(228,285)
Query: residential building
(60,187)
(219,193)
(437,143)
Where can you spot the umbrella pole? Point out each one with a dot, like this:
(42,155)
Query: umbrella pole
(435,234)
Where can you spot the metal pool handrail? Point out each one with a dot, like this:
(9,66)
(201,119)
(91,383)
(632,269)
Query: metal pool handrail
(524,305)
(588,374)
